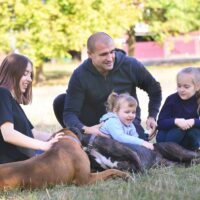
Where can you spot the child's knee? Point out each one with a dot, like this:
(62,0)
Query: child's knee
(193,138)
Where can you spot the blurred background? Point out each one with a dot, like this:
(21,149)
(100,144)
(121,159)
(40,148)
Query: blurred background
(163,34)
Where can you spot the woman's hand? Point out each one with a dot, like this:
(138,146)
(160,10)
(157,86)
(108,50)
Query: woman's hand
(47,145)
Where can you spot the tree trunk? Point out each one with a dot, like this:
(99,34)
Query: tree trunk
(131,41)
(39,75)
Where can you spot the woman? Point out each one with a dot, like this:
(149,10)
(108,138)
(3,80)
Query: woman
(18,138)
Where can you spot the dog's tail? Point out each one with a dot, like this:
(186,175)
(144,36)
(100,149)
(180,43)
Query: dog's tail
(175,152)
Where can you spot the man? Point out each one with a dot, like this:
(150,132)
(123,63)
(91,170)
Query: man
(107,69)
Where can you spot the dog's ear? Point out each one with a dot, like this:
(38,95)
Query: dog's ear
(77,132)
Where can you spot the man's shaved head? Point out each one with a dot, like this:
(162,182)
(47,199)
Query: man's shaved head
(96,38)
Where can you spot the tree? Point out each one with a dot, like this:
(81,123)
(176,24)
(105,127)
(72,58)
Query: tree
(166,17)
(49,29)
(171,17)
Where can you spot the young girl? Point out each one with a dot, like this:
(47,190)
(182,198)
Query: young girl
(178,120)
(118,122)
(16,131)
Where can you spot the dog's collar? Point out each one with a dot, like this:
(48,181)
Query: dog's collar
(72,138)
(90,144)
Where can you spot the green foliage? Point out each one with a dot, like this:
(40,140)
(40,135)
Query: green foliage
(172,16)
(49,29)
(45,30)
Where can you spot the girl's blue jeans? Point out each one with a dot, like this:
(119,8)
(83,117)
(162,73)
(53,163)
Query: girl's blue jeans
(190,139)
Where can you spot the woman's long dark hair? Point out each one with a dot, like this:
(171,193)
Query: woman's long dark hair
(12,69)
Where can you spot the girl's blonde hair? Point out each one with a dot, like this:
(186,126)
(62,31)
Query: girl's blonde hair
(195,72)
(115,100)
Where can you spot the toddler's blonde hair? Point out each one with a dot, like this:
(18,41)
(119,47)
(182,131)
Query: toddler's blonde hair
(115,100)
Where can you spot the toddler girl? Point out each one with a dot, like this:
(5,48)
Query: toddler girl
(118,122)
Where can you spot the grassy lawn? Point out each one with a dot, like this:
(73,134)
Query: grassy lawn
(161,184)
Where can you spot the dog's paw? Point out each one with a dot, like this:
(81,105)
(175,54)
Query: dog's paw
(127,176)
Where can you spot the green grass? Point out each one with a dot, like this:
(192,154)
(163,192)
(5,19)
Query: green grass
(59,73)
(161,184)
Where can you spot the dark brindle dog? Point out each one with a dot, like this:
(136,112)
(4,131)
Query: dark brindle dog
(106,153)
(64,163)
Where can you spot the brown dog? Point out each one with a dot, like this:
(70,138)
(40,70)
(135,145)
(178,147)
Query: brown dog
(64,163)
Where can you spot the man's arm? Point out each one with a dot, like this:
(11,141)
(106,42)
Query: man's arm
(74,100)
(148,83)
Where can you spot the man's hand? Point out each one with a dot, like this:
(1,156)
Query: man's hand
(94,130)
(151,124)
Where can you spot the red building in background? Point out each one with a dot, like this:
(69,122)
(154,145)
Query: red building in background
(183,46)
